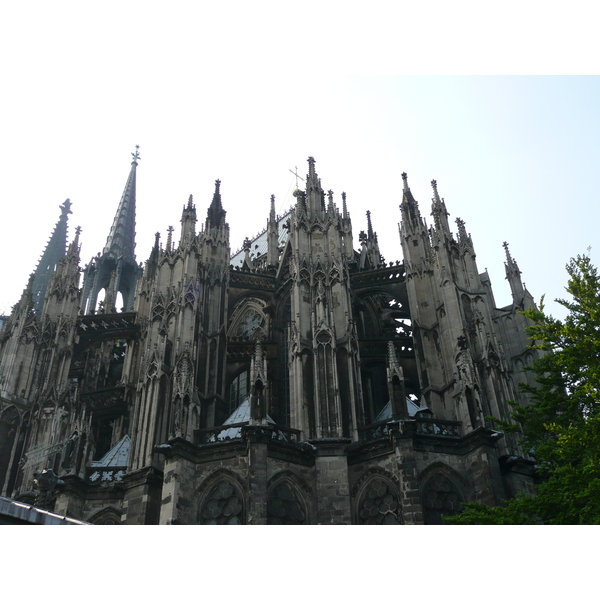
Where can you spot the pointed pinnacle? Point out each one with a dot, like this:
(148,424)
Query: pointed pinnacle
(405,180)
(369,226)
(435,190)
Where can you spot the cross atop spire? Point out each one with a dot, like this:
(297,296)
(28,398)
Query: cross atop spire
(136,155)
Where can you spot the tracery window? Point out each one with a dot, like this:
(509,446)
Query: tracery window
(379,505)
(285,507)
(440,499)
(223,505)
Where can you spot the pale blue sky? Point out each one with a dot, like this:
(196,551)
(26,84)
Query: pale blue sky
(514,156)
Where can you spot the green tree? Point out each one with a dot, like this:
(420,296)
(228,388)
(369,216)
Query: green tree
(560,426)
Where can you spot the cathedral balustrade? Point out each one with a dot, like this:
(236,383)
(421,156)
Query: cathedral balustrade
(375,431)
(237,431)
(424,426)
(438,427)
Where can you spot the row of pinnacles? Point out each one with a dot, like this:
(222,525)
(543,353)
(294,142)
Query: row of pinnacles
(305,382)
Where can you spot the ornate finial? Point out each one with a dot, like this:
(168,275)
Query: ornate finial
(190,202)
(311,166)
(156,239)
(508,256)
(136,155)
(344,208)
(217,186)
(435,190)
(77,232)
(462,232)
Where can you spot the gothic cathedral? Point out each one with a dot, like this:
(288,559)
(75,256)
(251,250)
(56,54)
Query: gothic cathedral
(301,380)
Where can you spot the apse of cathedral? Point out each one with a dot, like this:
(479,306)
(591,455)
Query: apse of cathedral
(300,380)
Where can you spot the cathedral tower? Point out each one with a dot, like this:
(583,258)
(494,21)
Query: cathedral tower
(115,270)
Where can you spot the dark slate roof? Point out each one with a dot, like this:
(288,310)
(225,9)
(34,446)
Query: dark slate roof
(259,242)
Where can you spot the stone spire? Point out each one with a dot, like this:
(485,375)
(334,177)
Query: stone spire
(272,236)
(215,214)
(121,239)
(118,254)
(55,250)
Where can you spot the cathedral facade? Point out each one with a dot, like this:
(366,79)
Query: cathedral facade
(301,380)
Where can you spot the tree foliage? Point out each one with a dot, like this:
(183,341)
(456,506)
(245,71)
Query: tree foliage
(560,426)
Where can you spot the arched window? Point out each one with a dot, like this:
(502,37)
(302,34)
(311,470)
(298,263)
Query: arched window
(441,498)
(284,506)
(223,505)
(379,503)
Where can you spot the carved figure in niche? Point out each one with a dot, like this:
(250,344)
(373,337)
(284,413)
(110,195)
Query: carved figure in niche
(284,507)
(379,505)
(223,506)
(440,498)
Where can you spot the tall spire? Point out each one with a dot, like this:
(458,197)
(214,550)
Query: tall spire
(121,239)
(216,214)
(119,252)
(272,236)
(55,250)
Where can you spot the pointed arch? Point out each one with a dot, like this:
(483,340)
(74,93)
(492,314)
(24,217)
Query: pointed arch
(443,492)
(221,499)
(287,500)
(377,499)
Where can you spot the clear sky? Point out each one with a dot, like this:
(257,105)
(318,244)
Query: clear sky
(246,92)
